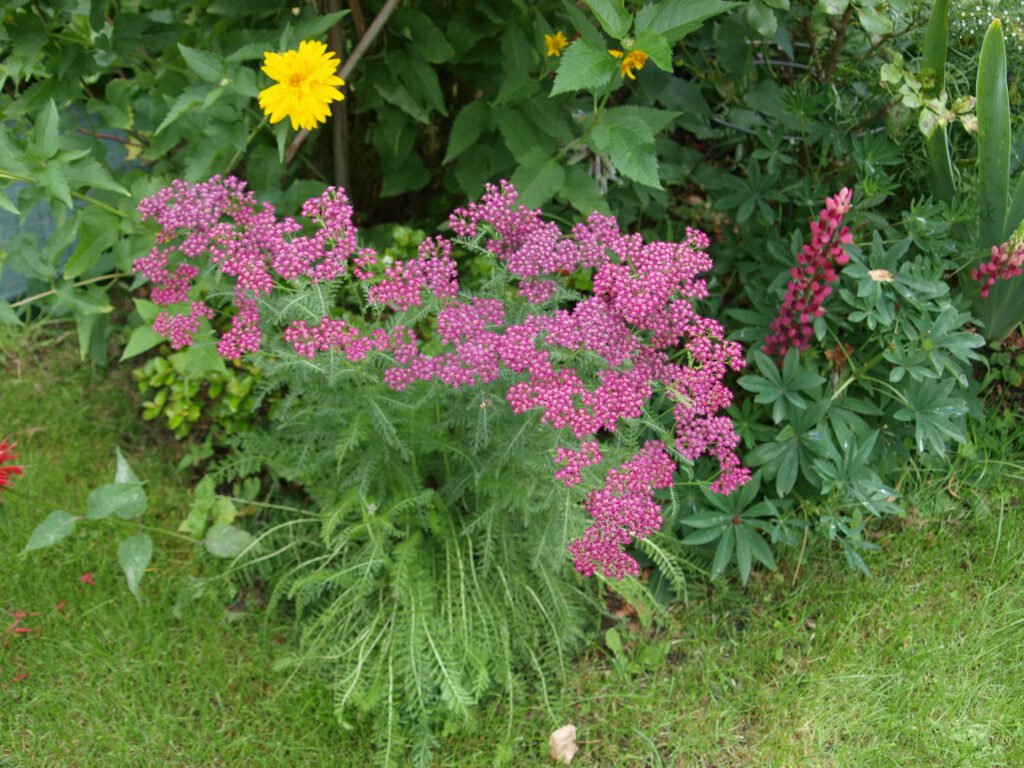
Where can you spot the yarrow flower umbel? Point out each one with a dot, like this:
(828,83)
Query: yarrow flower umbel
(810,282)
(1005,263)
(7,454)
(641,310)
(305,85)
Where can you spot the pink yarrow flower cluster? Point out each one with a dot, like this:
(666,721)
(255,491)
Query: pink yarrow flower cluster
(810,282)
(640,321)
(1005,263)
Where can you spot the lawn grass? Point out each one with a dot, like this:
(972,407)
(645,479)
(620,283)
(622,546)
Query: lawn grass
(921,665)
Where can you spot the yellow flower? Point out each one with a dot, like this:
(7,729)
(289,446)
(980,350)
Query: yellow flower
(306,85)
(556,43)
(630,61)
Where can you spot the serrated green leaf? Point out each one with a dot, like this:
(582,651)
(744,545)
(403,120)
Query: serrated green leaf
(612,16)
(537,182)
(466,128)
(134,554)
(628,141)
(582,193)
(46,134)
(126,500)
(428,39)
(226,541)
(675,20)
(655,46)
(584,66)
(57,525)
(190,97)
(203,63)
(52,179)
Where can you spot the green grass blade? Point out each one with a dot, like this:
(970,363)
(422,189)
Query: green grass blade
(993,138)
(934,58)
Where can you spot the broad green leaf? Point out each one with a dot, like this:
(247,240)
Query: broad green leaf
(518,57)
(188,98)
(55,527)
(704,535)
(675,20)
(142,339)
(147,309)
(399,96)
(226,541)
(723,553)
(134,554)
(203,63)
(874,21)
(8,316)
(46,134)
(581,191)
(537,182)
(612,16)
(124,472)
(53,180)
(656,119)
(761,18)
(83,301)
(629,143)
(7,205)
(466,128)
(584,66)
(1015,214)
(423,33)
(521,136)
(126,500)
(743,534)
(655,46)
(97,232)
(311,27)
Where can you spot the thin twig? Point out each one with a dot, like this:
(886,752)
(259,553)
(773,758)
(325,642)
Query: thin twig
(357,17)
(108,136)
(346,68)
(339,109)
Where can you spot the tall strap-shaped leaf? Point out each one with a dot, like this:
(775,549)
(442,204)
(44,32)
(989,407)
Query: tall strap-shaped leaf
(1003,309)
(993,138)
(934,58)
(1015,214)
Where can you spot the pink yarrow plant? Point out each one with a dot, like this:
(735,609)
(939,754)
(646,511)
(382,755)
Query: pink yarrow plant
(640,322)
(810,282)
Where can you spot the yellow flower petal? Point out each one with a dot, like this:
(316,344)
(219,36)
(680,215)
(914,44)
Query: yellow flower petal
(305,85)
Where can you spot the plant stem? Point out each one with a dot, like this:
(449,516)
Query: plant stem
(241,149)
(346,68)
(77,195)
(52,291)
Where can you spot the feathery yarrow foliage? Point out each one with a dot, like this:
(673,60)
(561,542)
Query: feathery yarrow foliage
(439,570)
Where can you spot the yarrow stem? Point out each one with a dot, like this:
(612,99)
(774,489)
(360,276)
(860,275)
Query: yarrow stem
(810,283)
(640,310)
